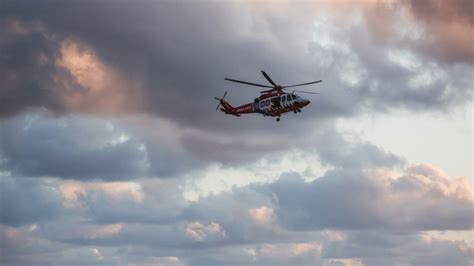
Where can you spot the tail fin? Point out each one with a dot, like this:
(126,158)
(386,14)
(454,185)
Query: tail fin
(226,107)
(221,100)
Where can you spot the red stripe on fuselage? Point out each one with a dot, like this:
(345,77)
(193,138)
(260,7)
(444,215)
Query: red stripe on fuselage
(244,109)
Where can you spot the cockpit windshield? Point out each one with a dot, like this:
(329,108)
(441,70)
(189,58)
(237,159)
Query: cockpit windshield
(294,96)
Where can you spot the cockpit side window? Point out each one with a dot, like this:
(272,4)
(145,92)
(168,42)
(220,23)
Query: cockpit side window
(288,97)
(294,96)
(283,98)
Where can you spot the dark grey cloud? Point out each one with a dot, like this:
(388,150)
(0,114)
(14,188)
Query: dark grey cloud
(457,10)
(22,246)
(334,149)
(446,26)
(381,247)
(182,54)
(315,206)
(350,199)
(165,161)
(85,148)
(230,150)
(27,67)
(364,202)
(162,202)
(406,248)
(71,147)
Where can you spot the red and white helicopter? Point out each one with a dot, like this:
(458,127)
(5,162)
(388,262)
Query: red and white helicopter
(273,102)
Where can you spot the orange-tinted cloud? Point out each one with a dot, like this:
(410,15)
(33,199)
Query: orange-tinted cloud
(101,88)
(262,215)
(72,190)
(447,27)
(451,26)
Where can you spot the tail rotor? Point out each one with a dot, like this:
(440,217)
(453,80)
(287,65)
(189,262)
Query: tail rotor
(220,100)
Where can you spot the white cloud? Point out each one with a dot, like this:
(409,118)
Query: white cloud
(96,253)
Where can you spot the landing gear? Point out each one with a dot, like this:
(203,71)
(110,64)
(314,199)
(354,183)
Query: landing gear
(295,111)
(278,119)
(299,110)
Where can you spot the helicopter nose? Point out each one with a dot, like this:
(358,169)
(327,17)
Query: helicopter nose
(306,102)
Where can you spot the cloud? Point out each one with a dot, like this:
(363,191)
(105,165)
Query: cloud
(96,252)
(70,147)
(375,201)
(27,69)
(450,24)
(440,30)
(85,148)
(103,89)
(360,247)
(26,201)
(262,215)
(199,232)
(143,70)
(72,191)
(21,246)
(285,221)
(106,230)
(336,149)
(227,149)
(159,203)
(376,247)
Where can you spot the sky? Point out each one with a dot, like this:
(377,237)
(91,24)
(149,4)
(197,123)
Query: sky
(112,152)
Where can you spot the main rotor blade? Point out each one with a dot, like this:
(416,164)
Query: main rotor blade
(310,92)
(249,83)
(268,78)
(302,84)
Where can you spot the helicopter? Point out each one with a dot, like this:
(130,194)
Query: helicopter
(273,102)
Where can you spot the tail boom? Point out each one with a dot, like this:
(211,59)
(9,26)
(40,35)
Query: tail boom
(237,111)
